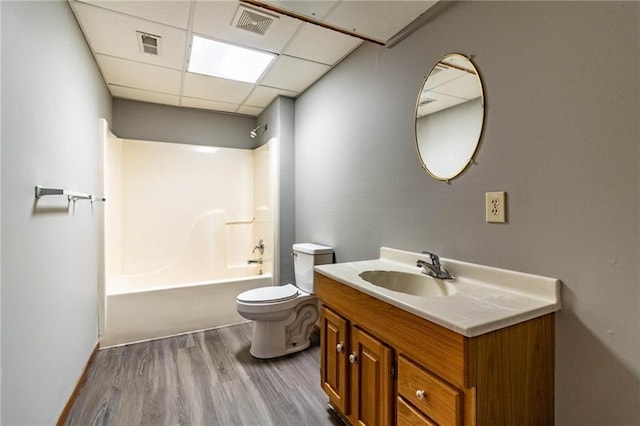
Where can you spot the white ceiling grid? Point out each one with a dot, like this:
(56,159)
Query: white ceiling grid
(305,51)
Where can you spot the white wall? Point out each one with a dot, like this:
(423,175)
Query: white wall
(52,97)
(561,137)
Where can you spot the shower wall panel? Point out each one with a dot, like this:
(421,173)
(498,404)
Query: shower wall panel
(181,203)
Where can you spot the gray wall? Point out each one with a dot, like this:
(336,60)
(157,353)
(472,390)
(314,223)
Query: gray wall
(561,137)
(280,117)
(447,138)
(164,123)
(52,97)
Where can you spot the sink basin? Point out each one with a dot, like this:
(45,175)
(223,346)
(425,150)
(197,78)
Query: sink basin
(413,284)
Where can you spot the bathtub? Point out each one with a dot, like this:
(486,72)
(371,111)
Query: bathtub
(143,307)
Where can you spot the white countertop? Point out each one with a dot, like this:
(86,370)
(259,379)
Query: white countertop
(485,299)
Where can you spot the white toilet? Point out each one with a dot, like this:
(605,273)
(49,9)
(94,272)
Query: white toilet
(284,315)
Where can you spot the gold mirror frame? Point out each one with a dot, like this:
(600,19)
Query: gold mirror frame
(458,86)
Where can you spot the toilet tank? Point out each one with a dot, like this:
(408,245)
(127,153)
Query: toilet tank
(305,255)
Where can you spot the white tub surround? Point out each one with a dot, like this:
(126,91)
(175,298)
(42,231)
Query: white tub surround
(482,298)
(179,236)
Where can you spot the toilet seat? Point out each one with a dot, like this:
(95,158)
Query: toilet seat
(272,300)
(273,294)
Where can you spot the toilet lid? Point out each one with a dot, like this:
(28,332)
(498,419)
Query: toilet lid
(269,294)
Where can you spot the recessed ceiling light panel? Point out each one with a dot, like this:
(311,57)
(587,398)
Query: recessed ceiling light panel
(227,61)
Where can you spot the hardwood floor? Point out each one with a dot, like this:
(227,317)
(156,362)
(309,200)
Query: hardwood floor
(203,378)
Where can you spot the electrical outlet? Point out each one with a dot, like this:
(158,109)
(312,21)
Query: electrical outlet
(496,207)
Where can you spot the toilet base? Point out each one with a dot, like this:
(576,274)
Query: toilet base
(258,351)
(272,339)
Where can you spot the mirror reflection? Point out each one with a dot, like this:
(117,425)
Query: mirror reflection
(449,117)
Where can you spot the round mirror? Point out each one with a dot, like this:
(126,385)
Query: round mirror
(449,117)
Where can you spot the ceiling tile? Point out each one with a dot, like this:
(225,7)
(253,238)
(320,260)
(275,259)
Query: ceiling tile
(214,18)
(442,75)
(175,12)
(114,34)
(263,96)
(215,89)
(143,95)
(127,73)
(293,74)
(110,29)
(465,87)
(312,9)
(439,102)
(249,110)
(207,104)
(379,20)
(321,45)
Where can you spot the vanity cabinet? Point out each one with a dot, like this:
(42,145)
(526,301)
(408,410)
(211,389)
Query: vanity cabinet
(356,371)
(407,370)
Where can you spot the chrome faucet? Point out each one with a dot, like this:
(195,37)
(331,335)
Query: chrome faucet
(254,261)
(433,269)
(259,247)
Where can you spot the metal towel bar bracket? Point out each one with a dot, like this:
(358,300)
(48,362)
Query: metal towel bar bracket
(71,196)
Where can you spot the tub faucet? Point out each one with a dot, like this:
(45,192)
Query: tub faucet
(259,247)
(433,269)
(254,261)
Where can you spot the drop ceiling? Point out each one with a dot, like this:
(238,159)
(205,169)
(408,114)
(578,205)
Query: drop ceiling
(453,81)
(308,37)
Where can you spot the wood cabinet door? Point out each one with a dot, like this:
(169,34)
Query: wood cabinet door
(371,382)
(334,359)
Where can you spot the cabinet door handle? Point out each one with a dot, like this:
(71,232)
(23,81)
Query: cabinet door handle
(340,347)
(420,394)
(353,358)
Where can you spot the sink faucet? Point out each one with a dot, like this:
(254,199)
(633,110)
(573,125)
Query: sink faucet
(433,269)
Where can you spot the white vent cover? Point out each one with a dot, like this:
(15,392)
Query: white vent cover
(149,43)
(252,20)
(427,101)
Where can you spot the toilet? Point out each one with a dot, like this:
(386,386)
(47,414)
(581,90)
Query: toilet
(284,315)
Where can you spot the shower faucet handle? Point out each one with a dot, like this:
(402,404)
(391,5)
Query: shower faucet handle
(259,247)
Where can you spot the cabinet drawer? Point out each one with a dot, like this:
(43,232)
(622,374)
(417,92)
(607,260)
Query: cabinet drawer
(431,395)
(407,415)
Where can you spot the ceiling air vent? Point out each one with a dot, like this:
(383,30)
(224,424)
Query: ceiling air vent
(252,20)
(427,101)
(149,43)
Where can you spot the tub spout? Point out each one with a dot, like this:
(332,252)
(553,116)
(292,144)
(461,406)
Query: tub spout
(254,261)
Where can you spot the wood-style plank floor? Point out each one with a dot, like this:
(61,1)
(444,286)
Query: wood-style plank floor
(203,378)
